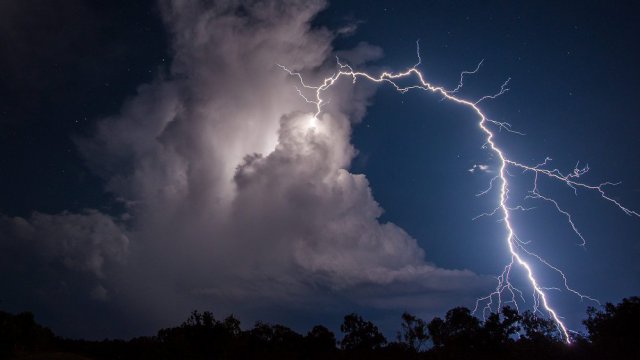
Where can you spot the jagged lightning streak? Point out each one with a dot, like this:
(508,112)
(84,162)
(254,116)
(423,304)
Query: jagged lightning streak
(517,248)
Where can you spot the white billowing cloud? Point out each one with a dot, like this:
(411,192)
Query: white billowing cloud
(230,180)
(233,191)
(300,200)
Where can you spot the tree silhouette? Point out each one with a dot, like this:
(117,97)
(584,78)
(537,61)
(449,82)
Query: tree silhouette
(500,328)
(320,342)
(437,331)
(360,335)
(614,331)
(414,333)
(460,328)
(457,336)
(22,333)
(274,341)
(540,329)
(201,335)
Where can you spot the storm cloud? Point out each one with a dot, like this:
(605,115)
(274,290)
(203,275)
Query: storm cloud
(232,197)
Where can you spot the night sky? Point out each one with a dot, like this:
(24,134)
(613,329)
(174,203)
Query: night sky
(155,159)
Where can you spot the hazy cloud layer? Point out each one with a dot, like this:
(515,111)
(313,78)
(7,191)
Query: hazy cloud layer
(64,255)
(81,242)
(233,198)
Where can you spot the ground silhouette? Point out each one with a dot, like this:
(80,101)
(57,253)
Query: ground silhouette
(612,333)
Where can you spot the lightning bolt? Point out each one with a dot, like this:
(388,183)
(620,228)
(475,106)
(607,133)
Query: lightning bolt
(517,248)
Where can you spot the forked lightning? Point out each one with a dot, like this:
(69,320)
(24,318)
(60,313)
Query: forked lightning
(516,247)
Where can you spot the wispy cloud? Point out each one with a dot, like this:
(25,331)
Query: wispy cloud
(480,168)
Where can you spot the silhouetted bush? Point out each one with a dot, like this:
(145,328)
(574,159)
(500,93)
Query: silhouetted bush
(20,333)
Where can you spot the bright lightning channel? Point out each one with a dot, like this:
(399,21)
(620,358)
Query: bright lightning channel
(516,246)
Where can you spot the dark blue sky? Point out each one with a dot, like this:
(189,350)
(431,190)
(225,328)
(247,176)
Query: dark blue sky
(573,92)
(573,82)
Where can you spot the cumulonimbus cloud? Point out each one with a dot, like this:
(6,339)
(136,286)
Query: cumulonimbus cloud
(230,192)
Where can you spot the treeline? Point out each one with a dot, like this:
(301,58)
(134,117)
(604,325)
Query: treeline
(612,333)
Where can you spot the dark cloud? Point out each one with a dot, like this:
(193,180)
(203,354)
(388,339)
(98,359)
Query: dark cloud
(81,242)
(59,265)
